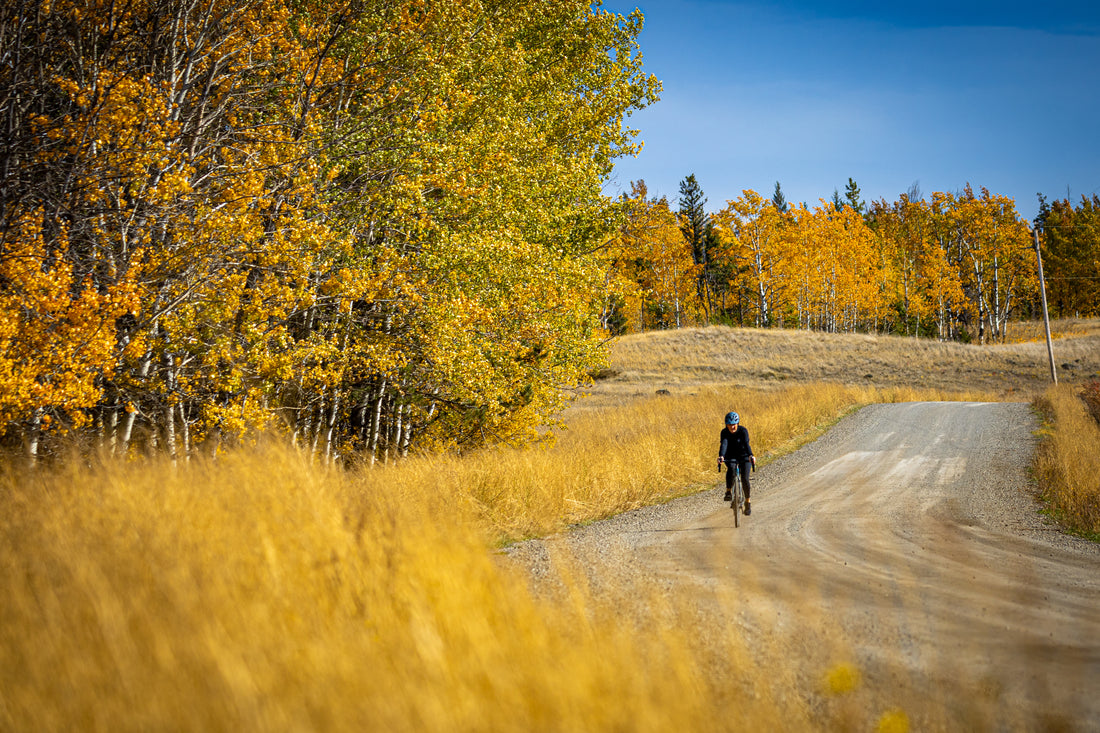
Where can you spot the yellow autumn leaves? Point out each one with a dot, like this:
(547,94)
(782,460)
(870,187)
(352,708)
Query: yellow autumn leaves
(953,266)
(372,225)
(54,338)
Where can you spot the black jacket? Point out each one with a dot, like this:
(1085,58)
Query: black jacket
(735,447)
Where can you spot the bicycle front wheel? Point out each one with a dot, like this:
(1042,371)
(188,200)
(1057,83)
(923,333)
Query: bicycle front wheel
(738,500)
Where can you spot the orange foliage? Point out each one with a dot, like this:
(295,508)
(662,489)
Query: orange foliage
(370,224)
(57,336)
(950,266)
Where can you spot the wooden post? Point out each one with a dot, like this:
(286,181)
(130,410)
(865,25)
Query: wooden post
(1046,316)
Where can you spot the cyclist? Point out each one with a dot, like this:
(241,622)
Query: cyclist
(735,448)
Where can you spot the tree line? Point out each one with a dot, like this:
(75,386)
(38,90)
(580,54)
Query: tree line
(379,226)
(1071,255)
(375,224)
(954,266)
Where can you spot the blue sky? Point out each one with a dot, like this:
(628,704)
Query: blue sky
(996,94)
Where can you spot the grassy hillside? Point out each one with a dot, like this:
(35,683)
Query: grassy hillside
(683,360)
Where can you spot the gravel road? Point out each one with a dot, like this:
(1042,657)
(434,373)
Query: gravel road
(906,536)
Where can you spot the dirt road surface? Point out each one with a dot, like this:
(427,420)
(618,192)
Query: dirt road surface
(906,542)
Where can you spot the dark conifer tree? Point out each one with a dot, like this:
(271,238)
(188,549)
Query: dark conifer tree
(837,203)
(852,198)
(779,200)
(693,223)
(694,218)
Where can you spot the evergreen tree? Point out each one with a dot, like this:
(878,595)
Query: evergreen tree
(851,198)
(779,200)
(693,223)
(694,218)
(1071,255)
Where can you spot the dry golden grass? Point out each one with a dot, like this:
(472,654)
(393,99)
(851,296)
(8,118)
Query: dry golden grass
(684,360)
(1068,464)
(1060,328)
(262,592)
(612,460)
(620,457)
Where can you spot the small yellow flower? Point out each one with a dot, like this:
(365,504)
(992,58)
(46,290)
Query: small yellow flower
(842,679)
(893,721)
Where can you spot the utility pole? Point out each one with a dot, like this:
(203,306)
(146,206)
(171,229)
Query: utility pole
(1046,316)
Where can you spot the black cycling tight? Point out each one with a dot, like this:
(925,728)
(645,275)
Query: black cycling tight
(746,466)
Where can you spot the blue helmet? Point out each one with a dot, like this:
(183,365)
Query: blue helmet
(733,418)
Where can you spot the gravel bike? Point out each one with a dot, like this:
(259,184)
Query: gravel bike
(738,503)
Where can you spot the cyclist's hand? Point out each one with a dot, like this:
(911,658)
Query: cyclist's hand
(753,459)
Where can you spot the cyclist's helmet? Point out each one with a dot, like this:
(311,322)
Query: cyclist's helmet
(733,418)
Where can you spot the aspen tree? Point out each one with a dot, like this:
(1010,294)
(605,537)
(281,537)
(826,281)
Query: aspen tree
(756,225)
(651,253)
(310,201)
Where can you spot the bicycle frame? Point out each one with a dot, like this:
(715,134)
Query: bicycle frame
(738,503)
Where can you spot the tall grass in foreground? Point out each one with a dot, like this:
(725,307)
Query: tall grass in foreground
(1068,463)
(261,592)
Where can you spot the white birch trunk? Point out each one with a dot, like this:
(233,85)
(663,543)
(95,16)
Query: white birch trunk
(185,433)
(131,416)
(376,423)
(170,431)
(331,426)
(112,429)
(34,437)
(319,424)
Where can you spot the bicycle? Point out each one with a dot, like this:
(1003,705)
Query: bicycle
(738,503)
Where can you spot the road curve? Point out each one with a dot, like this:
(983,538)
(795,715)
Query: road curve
(910,532)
